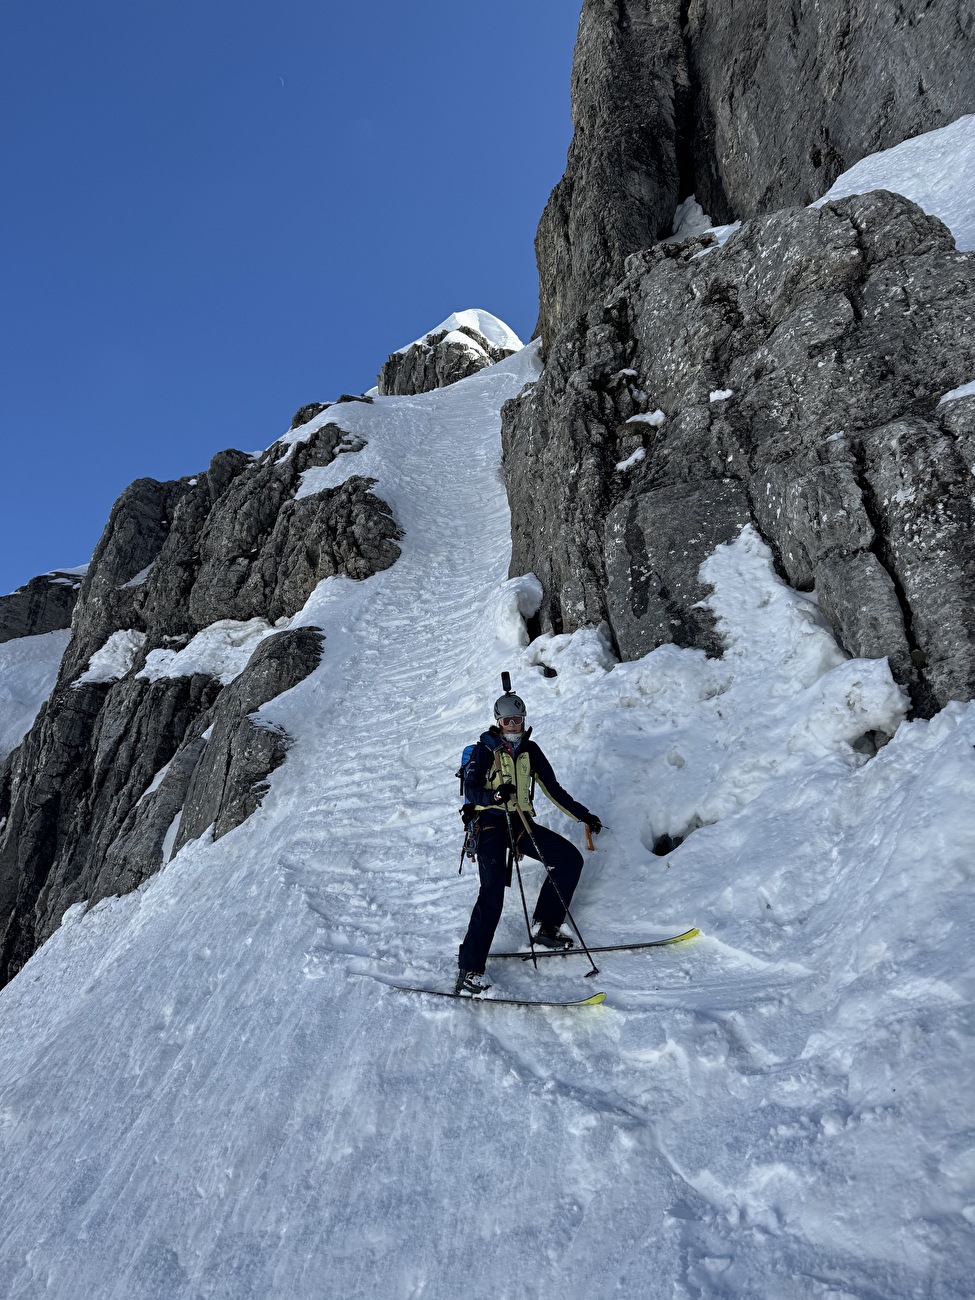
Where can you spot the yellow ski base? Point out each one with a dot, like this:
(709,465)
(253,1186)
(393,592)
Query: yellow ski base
(594,1001)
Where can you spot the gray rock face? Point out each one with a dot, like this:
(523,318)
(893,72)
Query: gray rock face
(748,104)
(785,99)
(87,801)
(44,604)
(798,370)
(230,543)
(71,786)
(228,780)
(438,360)
(622,182)
(137,529)
(655,544)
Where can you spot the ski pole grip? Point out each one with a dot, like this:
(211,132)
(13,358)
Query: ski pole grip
(589,844)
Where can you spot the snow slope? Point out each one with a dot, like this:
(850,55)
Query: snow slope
(210,1088)
(935,170)
(28,670)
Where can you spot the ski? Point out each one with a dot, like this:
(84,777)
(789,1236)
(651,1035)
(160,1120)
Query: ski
(612,947)
(593,1001)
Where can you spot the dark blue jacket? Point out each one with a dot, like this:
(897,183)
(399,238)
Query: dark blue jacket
(477,793)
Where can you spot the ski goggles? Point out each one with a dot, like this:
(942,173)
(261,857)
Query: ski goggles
(507,722)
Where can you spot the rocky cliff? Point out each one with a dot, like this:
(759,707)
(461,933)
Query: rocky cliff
(791,380)
(748,104)
(152,733)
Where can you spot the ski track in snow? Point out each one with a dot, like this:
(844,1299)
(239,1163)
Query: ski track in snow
(208,1088)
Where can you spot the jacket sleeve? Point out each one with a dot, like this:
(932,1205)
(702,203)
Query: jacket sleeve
(475,791)
(550,787)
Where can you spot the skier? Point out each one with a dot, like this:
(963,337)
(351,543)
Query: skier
(499,781)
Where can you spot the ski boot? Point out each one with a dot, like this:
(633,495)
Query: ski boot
(470,984)
(551,936)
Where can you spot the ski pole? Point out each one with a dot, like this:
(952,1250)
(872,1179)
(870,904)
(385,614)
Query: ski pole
(589,844)
(558,892)
(521,886)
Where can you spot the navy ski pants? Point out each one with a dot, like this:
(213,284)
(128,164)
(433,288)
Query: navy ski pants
(563,858)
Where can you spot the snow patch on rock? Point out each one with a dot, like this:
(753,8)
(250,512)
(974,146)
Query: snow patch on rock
(689,219)
(633,459)
(515,601)
(221,650)
(935,170)
(115,659)
(964,390)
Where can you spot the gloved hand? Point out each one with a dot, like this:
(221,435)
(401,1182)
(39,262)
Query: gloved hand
(504,792)
(594,824)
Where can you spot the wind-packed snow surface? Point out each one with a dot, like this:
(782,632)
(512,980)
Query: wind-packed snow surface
(212,1087)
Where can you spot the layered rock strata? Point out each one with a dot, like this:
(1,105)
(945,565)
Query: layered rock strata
(790,380)
(124,765)
(749,104)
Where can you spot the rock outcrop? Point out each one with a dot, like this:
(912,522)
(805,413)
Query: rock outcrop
(44,604)
(464,344)
(234,542)
(622,179)
(748,104)
(123,764)
(790,379)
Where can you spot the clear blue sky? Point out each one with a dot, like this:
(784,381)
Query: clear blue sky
(218,210)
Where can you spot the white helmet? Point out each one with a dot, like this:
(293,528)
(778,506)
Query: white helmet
(509,706)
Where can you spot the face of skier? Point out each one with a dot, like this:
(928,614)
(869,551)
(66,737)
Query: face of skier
(513,725)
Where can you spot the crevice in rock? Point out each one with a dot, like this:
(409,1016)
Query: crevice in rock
(923,701)
(684,118)
(695,134)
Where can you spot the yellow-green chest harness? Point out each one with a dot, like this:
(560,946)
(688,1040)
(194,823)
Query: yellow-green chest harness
(516,771)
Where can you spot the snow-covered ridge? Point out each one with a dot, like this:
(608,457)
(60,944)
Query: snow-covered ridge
(221,650)
(494,330)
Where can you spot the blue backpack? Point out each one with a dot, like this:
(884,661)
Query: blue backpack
(462,773)
(468,816)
